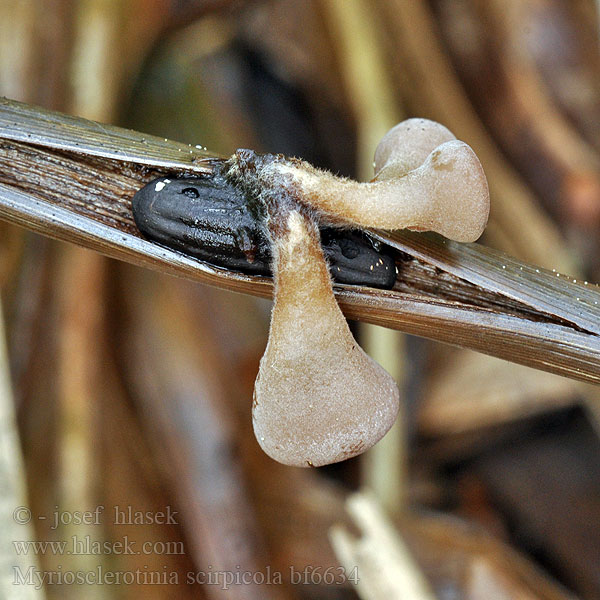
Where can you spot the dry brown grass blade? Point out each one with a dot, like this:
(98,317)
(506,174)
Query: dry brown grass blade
(430,86)
(545,292)
(35,125)
(73,180)
(386,566)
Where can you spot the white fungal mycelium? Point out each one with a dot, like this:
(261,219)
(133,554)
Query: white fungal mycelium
(318,397)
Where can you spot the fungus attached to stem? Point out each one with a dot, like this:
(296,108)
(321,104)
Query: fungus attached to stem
(318,397)
(443,190)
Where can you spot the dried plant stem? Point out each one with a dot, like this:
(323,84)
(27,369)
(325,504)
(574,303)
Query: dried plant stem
(95,69)
(12,483)
(573,165)
(463,294)
(80,277)
(355,28)
(17,25)
(97,59)
(432,87)
(384,467)
(386,570)
(356,32)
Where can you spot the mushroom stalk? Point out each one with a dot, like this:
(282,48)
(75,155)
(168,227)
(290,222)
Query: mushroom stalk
(318,397)
(425,180)
(447,194)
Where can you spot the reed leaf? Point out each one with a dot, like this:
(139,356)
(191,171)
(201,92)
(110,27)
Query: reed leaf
(73,180)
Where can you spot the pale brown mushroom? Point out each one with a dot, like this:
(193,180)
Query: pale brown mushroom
(407,145)
(445,192)
(318,397)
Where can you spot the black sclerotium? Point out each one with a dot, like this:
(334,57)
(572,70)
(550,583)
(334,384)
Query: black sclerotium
(213,220)
(205,217)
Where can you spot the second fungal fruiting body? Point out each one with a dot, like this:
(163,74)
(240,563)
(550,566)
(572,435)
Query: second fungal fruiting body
(438,187)
(318,397)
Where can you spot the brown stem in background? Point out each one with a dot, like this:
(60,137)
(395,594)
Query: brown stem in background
(431,87)
(181,395)
(563,168)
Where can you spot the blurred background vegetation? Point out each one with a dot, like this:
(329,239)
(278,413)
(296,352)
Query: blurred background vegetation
(133,389)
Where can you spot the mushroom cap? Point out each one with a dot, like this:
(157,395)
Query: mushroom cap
(319,400)
(458,203)
(407,145)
